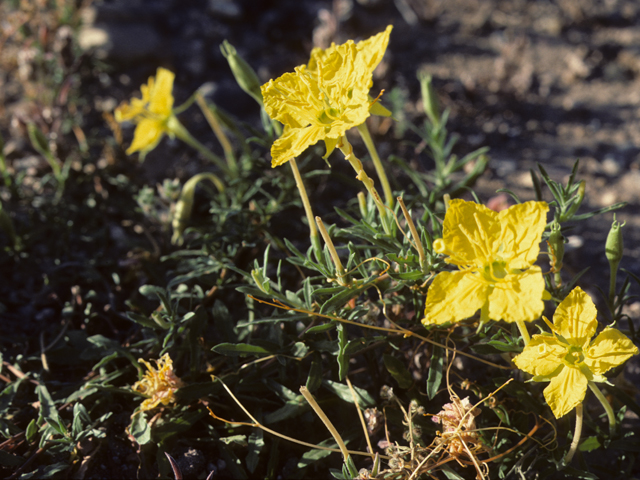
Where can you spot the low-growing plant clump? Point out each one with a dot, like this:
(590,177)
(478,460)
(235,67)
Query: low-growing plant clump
(411,333)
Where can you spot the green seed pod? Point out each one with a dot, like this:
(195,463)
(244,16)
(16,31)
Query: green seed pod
(614,246)
(242,71)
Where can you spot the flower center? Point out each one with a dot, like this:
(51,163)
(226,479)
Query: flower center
(329,115)
(495,271)
(574,356)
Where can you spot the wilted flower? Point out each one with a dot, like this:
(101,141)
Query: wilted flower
(158,384)
(153,113)
(324,99)
(567,358)
(495,252)
(458,420)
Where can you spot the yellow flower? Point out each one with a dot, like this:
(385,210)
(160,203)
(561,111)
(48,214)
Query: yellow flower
(495,252)
(159,384)
(153,113)
(324,99)
(568,359)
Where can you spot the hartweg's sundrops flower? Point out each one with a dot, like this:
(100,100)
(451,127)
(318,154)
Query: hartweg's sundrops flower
(495,252)
(158,384)
(155,116)
(568,359)
(153,113)
(324,99)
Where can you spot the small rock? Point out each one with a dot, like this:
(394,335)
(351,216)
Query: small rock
(125,43)
(225,9)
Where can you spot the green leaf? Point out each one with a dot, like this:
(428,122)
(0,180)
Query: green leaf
(589,444)
(398,371)
(290,409)
(241,350)
(343,391)
(312,456)
(343,359)
(48,410)
(256,442)
(322,328)
(142,320)
(434,379)
(140,429)
(315,374)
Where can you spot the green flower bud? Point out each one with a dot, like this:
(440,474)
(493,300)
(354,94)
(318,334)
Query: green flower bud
(242,71)
(184,205)
(556,241)
(429,99)
(614,246)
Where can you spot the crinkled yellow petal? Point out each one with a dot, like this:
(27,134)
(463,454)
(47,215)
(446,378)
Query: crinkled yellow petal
(454,296)
(293,142)
(610,349)
(575,318)
(565,391)
(522,229)
(147,135)
(542,356)
(371,50)
(518,297)
(160,93)
(292,99)
(130,111)
(470,231)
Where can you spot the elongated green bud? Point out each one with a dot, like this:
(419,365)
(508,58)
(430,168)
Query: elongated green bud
(429,98)
(242,71)
(613,250)
(614,246)
(184,205)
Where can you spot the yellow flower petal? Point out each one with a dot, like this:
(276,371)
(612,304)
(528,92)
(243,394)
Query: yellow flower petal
(522,228)
(160,96)
(541,357)
(565,391)
(610,349)
(469,233)
(518,297)
(293,142)
(575,318)
(454,296)
(146,136)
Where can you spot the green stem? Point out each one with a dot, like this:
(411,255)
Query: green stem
(612,287)
(214,123)
(346,148)
(576,436)
(382,175)
(524,332)
(313,231)
(343,278)
(327,423)
(607,407)
(175,127)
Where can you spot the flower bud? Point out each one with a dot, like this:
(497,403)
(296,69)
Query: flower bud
(556,242)
(614,246)
(242,71)
(429,99)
